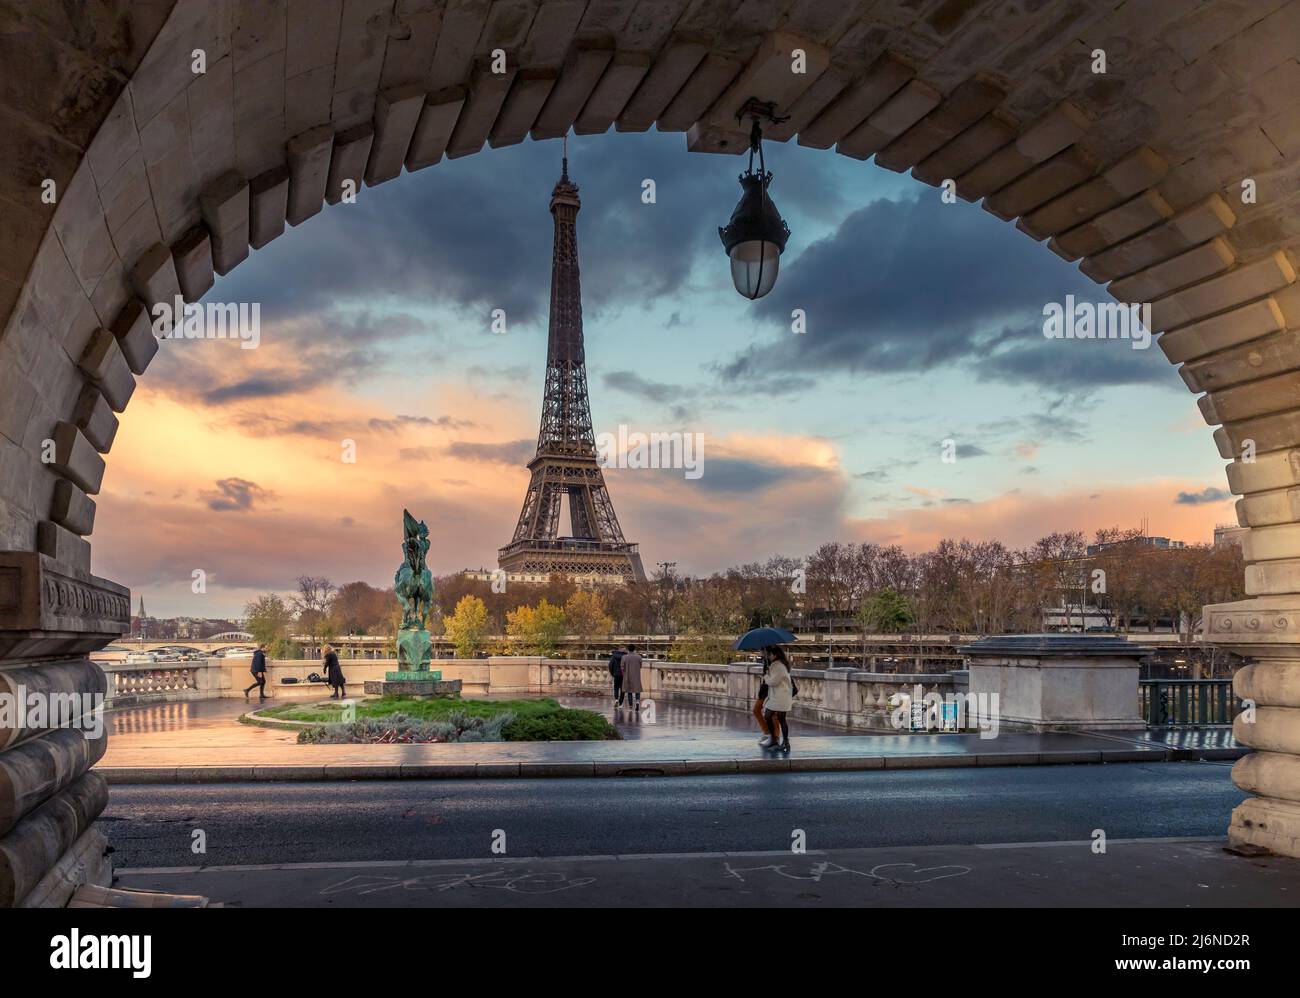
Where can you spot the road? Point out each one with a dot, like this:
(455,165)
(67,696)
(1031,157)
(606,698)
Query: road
(259,823)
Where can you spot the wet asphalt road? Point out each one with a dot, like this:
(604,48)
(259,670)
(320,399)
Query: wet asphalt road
(260,823)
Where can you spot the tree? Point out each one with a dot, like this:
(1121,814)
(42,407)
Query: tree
(538,628)
(313,603)
(834,579)
(586,616)
(268,618)
(885,612)
(360,608)
(467,626)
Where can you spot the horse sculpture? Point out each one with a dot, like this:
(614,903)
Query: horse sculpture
(413,584)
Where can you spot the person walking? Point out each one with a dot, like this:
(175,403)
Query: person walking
(258,670)
(334,674)
(759,701)
(780,698)
(616,673)
(631,664)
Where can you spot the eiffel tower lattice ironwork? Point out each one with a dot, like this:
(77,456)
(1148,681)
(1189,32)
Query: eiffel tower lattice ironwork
(566,462)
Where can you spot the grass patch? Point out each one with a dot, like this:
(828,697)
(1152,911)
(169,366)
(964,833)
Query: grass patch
(541,720)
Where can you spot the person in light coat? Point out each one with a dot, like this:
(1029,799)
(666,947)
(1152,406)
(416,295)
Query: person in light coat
(780,698)
(631,664)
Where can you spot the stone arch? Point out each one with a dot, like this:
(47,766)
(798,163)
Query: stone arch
(167,176)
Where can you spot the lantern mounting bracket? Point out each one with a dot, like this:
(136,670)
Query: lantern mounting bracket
(758,110)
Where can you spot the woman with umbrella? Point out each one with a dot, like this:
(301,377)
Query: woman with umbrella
(768,640)
(780,698)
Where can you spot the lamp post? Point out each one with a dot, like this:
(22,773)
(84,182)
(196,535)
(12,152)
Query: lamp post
(756,235)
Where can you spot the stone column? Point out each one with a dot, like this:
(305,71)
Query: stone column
(51,617)
(1267,629)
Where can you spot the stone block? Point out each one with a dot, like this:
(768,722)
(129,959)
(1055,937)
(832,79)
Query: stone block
(1272,543)
(433,131)
(612,94)
(76,459)
(308,99)
(268,202)
(93,416)
(82,229)
(19,396)
(312,34)
(103,363)
(1274,470)
(885,76)
(1058,682)
(968,103)
(1147,209)
(72,508)
(224,204)
(1252,361)
(154,276)
(522,106)
(397,112)
(1201,222)
(1129,177)
(214,138)
(134,331)
(769,73)
(1206,260)
(63,546)
(1039,184)
(36,843)
(1223,331)
(979,142)
(895,116)
(1237,286)
(487,92)
(1047,137)
(1253,399)
(671,68)
(1265,508)
(309,167)
(348,162)
(711,77)
(1273,578)
(811,103)
(192,256)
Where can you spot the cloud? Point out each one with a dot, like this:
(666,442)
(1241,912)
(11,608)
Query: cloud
(1206,495)
(733,474)
(515,452)
(634,384)
(913,284)
(401,422)
(236,495)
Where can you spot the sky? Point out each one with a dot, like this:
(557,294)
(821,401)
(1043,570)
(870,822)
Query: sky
(923,324)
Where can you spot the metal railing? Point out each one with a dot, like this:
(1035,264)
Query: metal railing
(1187,703)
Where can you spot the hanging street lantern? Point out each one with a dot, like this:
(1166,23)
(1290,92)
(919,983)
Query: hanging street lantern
(756,235)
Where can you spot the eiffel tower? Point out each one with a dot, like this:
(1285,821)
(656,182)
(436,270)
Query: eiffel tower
(566,464)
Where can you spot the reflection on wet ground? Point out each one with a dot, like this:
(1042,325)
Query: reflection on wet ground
(216,722)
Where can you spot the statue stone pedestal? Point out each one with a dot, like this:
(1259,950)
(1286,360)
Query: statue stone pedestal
(414,649)
(424,684)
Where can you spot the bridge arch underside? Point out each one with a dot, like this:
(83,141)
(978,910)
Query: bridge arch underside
(166,176)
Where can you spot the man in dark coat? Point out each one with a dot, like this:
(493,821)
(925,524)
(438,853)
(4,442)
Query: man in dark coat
(259,673)
(334,674)
(616,671)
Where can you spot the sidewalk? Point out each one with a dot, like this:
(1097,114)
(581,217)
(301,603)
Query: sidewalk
(1136,873)
(202,741)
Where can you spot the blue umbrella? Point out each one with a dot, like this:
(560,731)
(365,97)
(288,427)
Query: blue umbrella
(763,637)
